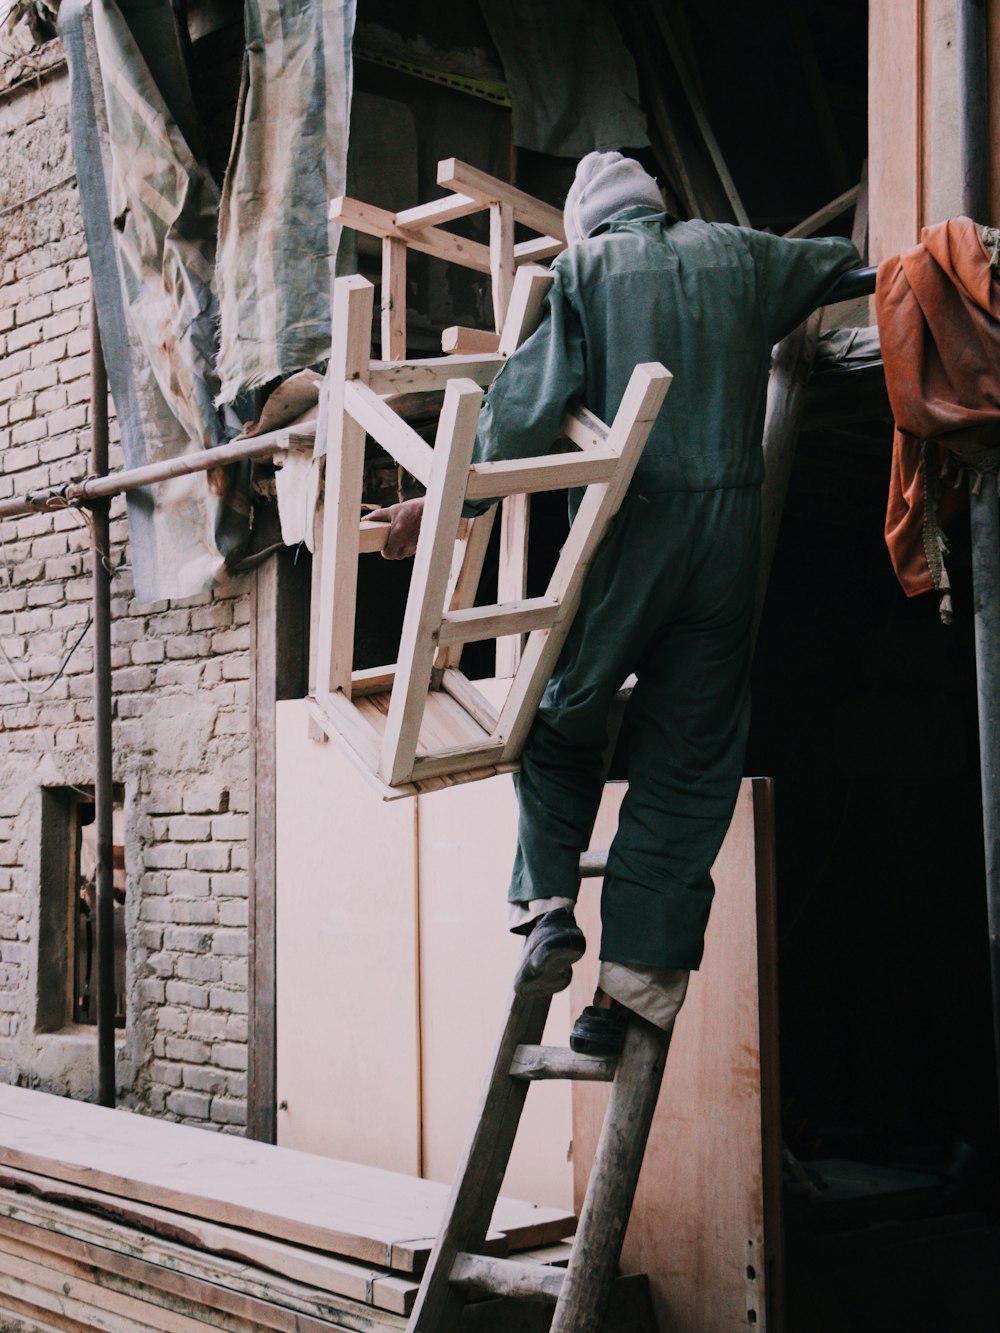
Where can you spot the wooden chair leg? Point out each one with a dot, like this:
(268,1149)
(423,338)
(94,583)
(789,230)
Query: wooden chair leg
(455,439)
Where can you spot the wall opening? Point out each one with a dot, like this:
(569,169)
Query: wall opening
(67,950)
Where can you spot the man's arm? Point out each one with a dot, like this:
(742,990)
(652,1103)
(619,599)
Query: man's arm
(523,411)
(795,276)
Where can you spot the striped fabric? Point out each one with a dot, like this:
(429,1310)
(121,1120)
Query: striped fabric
(152,216)
(277,250)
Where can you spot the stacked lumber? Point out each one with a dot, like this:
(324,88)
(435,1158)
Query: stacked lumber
(115,1221)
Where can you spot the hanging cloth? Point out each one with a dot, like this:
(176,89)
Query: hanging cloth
(938,309)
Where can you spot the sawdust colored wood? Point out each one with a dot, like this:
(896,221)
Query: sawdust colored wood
(706,1224)
(359,1212)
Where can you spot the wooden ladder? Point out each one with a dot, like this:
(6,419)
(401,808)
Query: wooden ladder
(580,1292)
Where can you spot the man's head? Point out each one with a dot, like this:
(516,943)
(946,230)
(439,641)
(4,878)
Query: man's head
(606,183)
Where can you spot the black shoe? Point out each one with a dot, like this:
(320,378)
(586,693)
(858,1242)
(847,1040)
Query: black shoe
(599,1031)
(556,942)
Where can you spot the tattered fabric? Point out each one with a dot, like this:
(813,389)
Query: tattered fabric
(938,308)
(149,210)
(277,249)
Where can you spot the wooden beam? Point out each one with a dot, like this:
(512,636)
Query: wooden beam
(430,375)
(816,221)
(514,477)
(544,218)
(353,302)
(489,622)
(455,440)
(501,260)
(393,299)
(428,240)
(372,414)
(457,341)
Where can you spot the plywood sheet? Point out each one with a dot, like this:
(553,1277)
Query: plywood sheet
(468,958)
(360,1212)
(706,1225)
(347,1057)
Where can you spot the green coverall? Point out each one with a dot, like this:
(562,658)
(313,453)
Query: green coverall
(670,594)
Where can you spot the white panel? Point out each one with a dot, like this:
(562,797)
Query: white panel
(468,959)
(348,1068)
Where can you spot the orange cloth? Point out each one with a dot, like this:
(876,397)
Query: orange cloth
(938,310)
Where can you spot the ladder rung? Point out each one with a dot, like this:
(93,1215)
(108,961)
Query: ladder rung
(489,622)
(538,1062)
(507,1277)
(487,481)
(593,865)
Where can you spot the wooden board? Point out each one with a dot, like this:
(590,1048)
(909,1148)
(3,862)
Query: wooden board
(895,129)
(467,836)
(345,916)
(405,935)
(706,1222)
(360,1212)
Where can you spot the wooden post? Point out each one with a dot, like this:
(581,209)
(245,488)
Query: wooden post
(279,660)
(456,436)
(393,302)
(604,1217)
(353,302)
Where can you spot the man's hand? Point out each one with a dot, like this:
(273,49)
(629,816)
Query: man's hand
(404,527)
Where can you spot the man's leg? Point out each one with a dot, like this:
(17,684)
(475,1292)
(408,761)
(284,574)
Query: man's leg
(687,726)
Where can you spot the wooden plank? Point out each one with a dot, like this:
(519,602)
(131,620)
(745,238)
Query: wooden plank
(393,299)
(468,342)
(489,622)
(279,657)
(541,247)
(554,473)
(353,301)
(706,1222)
(467,568)
(586,430)
(828,213)
(339,1207)
(428,240)
(465,693)
(432,374)
(527,300)
(895,127)
(501,260)
(373,680)
(639,406)
(438,210)
(512,575)
(369,411)
(458,759)
(455,175)
(463,990)
(456,437)
(372,537)
(91,1215)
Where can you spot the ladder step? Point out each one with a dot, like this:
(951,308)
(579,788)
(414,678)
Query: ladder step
(487,622)
(539,1062)
(593,865)
(507,1277)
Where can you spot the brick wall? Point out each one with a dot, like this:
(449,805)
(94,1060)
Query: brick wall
(180,680)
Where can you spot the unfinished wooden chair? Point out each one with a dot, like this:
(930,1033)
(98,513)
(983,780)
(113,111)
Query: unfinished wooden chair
(420,723)
(422,229)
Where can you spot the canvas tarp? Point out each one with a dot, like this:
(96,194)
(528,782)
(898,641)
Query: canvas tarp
(151,213)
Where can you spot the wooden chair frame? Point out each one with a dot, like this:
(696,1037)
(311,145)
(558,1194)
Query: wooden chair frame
(420,723)
(421,228)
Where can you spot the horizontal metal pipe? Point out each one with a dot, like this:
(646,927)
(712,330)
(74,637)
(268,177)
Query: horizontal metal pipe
(131,479)
(858,282)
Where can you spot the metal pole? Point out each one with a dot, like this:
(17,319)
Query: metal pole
(103,778)
(984,503)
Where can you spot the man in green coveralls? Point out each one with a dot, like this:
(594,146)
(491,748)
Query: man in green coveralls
(670,594)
